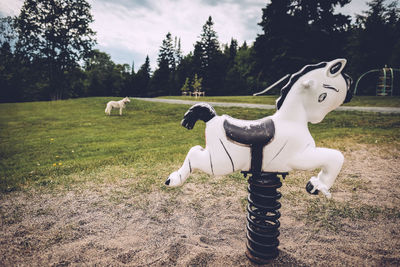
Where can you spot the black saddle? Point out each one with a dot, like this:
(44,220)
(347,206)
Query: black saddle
(255,134)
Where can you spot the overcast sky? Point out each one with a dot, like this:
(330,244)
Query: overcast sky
(129,30)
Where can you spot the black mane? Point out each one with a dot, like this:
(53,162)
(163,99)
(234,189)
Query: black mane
(293,78)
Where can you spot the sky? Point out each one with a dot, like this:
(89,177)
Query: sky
(129,30)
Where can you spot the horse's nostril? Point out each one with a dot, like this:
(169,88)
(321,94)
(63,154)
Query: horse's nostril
(310,187)
(167,182)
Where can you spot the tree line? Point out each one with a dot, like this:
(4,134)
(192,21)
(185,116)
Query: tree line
(47,52)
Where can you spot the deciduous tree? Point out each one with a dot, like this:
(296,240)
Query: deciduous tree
(56,35)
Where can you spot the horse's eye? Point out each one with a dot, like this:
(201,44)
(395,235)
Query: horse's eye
(321,97)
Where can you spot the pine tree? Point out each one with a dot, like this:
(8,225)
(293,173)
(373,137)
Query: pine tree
(178,52)
(142,78)
(163,80)
(233,48)
(208,44)
(244,46)
(208,59)
(167,53)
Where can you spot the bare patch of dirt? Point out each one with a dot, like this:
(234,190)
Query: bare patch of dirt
(203,222)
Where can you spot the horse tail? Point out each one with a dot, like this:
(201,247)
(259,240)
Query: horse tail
(199,111)
(108,109)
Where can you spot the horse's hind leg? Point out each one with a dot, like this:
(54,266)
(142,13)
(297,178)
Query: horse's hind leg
(197,158)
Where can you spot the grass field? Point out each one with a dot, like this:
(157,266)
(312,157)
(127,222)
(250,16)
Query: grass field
(366,101)
(82,188)
(43,140)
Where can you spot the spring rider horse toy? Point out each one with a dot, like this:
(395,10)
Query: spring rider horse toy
(271,146)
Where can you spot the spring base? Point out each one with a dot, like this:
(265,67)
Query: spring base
(263,216)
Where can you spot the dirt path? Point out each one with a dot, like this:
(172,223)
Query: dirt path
(394,110)
(203,222)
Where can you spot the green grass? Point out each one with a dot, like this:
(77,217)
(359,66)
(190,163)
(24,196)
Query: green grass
(367,101)
(47,144)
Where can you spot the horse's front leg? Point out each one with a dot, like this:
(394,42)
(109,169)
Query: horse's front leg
(197,158)
(329,160)
(120,111)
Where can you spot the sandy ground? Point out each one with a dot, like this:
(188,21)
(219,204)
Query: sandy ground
(203,223)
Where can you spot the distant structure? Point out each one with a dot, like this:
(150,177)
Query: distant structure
(385,83)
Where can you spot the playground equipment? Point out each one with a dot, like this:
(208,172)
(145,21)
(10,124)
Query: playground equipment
(263,216)
(271,147)
(385,83)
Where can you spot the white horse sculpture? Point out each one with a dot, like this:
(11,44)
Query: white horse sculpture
(116,104)
(278,143)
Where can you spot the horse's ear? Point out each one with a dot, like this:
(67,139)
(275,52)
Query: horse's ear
(335,67)
(307,84)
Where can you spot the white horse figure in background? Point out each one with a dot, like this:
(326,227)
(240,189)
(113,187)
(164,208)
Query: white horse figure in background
(278,143)
(117,104)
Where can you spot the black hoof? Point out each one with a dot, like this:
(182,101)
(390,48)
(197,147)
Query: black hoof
(187,124)
(310,187)
(167,182)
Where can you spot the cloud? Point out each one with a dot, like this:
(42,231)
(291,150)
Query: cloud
(10,7)
(355,7)
(140,28)
(137,27)
(129,30)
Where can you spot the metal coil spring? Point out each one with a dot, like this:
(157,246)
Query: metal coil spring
(263,217)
